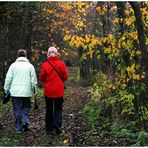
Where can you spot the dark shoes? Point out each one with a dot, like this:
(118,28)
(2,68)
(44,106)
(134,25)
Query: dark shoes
(25,128)
(57,130)
(18,132)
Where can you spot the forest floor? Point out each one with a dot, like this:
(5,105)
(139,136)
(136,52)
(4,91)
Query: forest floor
(75,129)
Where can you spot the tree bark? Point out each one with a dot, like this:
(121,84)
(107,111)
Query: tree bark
(141,37)
(143,47)
(121,15)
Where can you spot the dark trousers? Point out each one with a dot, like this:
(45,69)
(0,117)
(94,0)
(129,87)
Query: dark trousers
(53,117)
(21,107)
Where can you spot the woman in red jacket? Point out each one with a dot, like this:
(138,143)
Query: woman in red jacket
(53,73)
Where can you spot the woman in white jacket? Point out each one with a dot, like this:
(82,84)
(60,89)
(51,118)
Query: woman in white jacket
(21,81)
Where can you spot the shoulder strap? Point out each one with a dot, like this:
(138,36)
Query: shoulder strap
(55,70)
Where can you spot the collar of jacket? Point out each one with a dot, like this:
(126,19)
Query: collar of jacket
(56,58)
(22,59)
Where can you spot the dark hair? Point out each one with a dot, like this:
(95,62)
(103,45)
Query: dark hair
(21,53)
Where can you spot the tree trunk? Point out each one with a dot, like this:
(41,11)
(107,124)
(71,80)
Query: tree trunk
(143,47)
(141,37)
(121,15)
(28,41)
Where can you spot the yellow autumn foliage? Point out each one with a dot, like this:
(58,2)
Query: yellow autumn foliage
(50,11)
(65,141)
(98,9)
(113,8)
(80,24)
(138,53)
(90,53)
(135,76)
(67,37)
(107,50)
(64,7)
(131,69)
(129,21)
(142,76)
(99,42)
(93,42)
(116,52)
(101,10)
(87,38)
(110,86)
(133,35)
(116,20)
(144,13)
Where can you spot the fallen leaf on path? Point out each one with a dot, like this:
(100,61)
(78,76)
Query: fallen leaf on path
(65,141)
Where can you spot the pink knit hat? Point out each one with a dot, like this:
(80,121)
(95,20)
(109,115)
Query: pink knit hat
(52,52)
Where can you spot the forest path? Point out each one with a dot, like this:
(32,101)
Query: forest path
(73,125)
(73,128)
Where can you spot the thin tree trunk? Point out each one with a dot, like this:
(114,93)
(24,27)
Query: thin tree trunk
(121,15)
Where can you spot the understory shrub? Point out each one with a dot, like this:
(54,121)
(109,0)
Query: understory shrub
(103,93)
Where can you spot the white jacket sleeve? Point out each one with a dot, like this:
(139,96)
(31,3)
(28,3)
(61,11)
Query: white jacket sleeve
(33,79)
(8,79)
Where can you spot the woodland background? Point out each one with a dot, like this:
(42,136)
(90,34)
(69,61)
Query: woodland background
(105,47)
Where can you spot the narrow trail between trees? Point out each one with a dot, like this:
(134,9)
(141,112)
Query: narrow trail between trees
(73,128)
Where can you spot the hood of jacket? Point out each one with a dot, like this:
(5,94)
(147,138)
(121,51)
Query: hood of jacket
(56,58)
(22,59)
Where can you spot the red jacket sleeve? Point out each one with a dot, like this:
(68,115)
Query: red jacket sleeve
(65,72)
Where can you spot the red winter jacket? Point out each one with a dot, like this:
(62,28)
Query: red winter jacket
(53,85)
